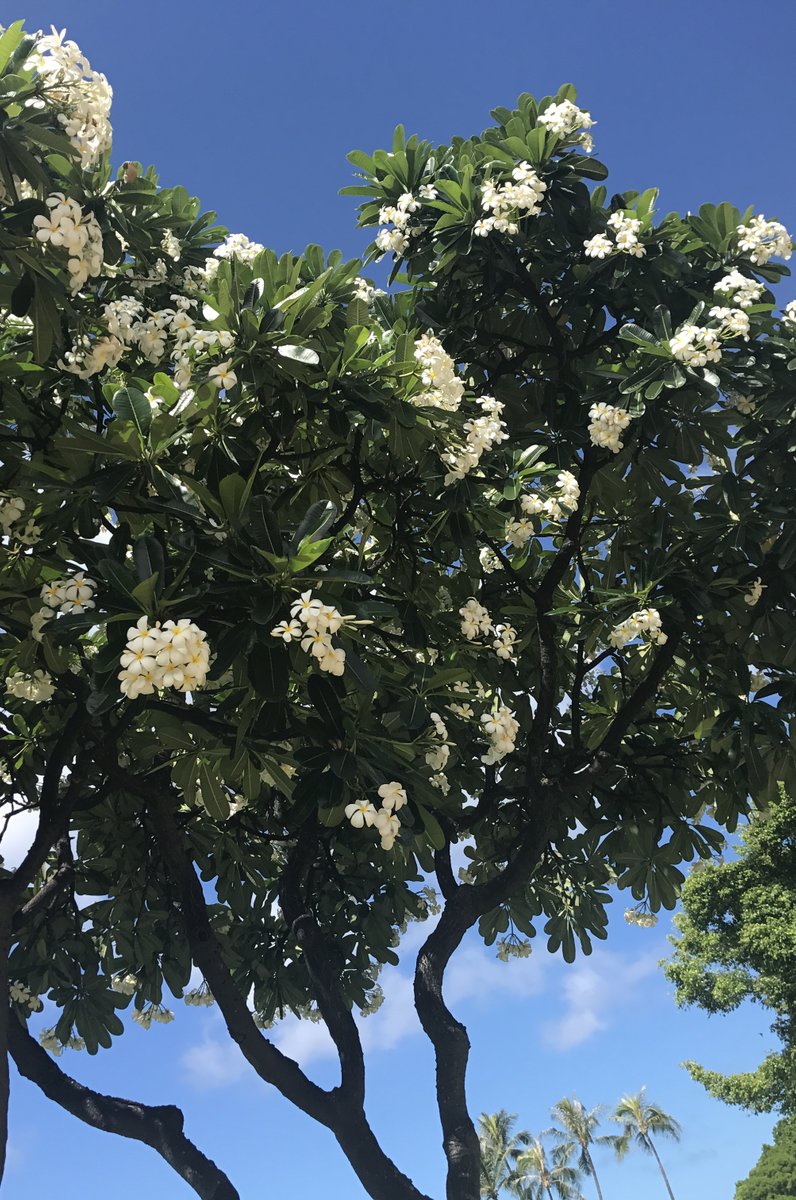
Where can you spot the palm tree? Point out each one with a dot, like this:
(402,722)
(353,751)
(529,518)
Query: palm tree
(537,1178)
(499,1150)
(640,1120)
(577,1134)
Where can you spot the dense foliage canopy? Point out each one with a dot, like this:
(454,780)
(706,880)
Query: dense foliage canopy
(304,584)
(773,1177)
(737,941)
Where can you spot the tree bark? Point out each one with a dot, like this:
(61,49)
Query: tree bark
(651,1145)
(335,1109)
(592,1172)
(160,1127)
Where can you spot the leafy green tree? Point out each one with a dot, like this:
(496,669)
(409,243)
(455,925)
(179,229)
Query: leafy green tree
(641,1122)
(575,1132)
(773,1177)
(484,559)
(541,1178)
(736,940)
(499,1150)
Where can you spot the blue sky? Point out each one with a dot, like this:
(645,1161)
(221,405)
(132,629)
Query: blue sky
(253,106)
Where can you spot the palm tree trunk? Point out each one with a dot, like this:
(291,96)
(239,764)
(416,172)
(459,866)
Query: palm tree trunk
(593,1173)
(651,1145)
(550,1194)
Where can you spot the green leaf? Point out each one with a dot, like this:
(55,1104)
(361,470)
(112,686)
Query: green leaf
(269,671)
(308,552)
(9,41)
(130,404)
(324,696)
(149,560)
(315,522)
(214,796)
(232,492)
(300,354)
(122,581)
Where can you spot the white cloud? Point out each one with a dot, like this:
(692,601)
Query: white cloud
(213,1063)
(593,992)
(476,973)
(306,1041)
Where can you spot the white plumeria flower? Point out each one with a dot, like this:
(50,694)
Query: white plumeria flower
(288,631)
(222,376)
(361,813)
(392,796)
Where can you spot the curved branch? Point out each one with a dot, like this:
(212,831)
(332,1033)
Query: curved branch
(268,1061)
(635,704)
(324,973)
(335,1109)
(160,1127)
(447,1035)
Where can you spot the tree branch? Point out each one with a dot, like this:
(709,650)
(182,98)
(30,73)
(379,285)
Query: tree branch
(447,1035)
(323,970)
(633,707)
(160,1127)
(268,1061)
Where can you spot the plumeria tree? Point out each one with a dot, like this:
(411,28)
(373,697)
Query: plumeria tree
(310,589)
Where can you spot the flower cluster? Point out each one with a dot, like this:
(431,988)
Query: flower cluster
(608,422)
(314,623)
(504,643)
(554,508)
(12,509)
(501,728)
(733,322)
(397,215)
(565,118)
(789,314)
(19,994)
(694,346)
(509,202)
(743,291)
(174,655)
(646,622)
(75,594)
(743,404)
(363,813)
(513,947)
(437,757)
(67,226)
(200,997)
(475,619)
(763,240)
(82,96)
(155,1012)
(626,240)
(755,592)
(443,388)
(125,985)
(129,328)
(483,434)
(644,920)
(364,290)
(50,1041)
(37,687)
(234,245)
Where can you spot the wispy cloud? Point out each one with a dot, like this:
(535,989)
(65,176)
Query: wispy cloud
(213,1063)
(587,995)
(593,992)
